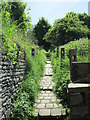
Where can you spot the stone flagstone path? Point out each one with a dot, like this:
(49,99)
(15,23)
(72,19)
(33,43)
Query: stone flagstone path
(47,105)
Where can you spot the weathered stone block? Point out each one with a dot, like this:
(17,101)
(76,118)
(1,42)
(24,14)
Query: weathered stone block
(81,110)
(0,102)
(1,113)
(0,90)
(77,88)
(0,69)
(40,106)
(49,105)
(75,98)
(44,101)
(7,114)
(86,97)
(80,72)
(55,112)
(44,112)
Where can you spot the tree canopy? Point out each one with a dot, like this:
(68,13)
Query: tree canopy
(67,29)
(40,29)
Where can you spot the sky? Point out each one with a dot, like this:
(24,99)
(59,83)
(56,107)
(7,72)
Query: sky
(55,9)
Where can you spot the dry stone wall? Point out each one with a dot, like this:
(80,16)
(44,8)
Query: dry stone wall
(79,89)
(79,101)
(10,81)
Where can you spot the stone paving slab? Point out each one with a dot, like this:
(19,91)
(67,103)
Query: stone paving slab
(48,72)
(47,103)
(44,112)
(48,62)
(47,83)
(48,66)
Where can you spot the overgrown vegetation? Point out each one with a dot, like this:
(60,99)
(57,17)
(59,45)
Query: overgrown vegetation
(23,106)
(15,27)
(17,14)
(72,26)
(61,68)
(68,28)
(13,35)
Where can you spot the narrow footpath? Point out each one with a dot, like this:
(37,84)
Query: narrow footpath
(47,105)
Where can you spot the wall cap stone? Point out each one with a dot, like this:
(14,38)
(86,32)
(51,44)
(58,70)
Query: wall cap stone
(78,87)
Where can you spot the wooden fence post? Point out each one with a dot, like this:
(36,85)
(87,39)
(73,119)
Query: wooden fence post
(57,51)
(72,56)
(33,52)
(62,53)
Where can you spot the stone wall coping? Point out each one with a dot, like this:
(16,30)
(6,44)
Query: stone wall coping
(77,87)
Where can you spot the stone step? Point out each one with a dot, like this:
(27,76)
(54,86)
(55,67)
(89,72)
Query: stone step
(48,62)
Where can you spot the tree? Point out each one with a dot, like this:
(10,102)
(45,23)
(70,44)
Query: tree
(86,19)
(40,29)
(83,17)
(50,36)
(66,29)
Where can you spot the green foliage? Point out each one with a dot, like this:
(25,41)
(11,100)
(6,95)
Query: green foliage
(67,29)
(40,30)
(85,18)
(9,47)
(23,106)
(17,14)
(61,69)
(50,36)
(12,35)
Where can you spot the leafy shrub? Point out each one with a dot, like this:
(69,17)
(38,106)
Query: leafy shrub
(22,109)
